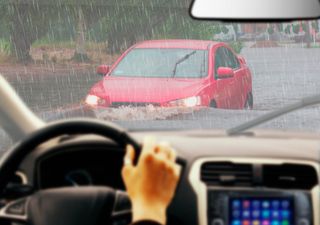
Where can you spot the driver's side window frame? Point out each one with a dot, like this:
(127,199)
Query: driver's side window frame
(218,53)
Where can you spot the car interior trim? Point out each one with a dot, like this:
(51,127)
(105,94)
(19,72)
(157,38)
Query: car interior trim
(23,177)
(200,187)
(5,214)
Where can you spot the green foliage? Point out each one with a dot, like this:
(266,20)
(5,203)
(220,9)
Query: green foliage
(5,47)
(296,28)
(315,26)
(280,27)
(224,29)
(118,23)
(304,27)
(218,30)
(185,28)
(271,30)
(237,46)
(287,30)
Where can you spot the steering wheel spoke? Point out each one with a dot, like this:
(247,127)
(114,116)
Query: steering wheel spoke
(121,213)
(15,210)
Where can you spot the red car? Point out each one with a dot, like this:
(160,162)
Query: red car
(183,73)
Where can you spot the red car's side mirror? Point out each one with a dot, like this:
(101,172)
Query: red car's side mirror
(103,70)
(225,72)
(242,60)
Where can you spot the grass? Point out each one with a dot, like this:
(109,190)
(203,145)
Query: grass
(314,45)
(5,47)
(5,51)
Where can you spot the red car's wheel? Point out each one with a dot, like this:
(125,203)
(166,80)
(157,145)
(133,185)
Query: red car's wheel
(213,104)
(249,102)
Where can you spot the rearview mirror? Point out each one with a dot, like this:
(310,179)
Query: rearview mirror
(103,70)
(225,72)
(255,9)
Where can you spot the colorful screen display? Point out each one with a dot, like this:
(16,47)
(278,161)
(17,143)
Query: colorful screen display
(261,211)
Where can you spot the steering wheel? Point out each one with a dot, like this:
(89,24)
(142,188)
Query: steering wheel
(66,206)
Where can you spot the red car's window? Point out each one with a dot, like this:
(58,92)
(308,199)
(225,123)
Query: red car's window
(220,59)
(183,63)
(231,58)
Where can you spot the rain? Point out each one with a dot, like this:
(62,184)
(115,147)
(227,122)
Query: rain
(50,50)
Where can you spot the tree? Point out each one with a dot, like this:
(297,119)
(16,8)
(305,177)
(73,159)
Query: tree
(270,30)
(26,23)
(80,52)
(128,21)
(287,30)
(306,29)
(236,31)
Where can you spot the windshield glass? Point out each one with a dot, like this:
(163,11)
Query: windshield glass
(71,59)
(183,63)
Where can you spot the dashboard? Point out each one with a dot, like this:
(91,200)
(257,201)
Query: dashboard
(260,180)
(80,166)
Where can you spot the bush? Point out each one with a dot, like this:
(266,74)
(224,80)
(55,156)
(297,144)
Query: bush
(296,28)
(224,30)
(315,26)
(270,30)
(5,47)
(288,30)
(304,27)
(237,46)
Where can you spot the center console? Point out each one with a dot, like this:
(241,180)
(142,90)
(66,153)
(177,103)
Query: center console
(259,208)
(256,191)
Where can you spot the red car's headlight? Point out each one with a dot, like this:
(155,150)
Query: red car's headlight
(94,100)
(187,102)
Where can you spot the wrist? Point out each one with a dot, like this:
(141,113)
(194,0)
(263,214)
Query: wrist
(152,212)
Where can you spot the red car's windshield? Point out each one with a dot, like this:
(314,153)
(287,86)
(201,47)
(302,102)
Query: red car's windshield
(182,63)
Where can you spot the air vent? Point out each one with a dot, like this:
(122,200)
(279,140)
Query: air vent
(289,176)
(227,174)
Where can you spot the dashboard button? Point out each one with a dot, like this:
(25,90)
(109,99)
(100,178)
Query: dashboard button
(217,222)
(303,222)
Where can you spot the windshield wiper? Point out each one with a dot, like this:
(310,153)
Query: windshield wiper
(184,58)
(308,101)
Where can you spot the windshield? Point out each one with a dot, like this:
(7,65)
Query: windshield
(71,59)
(163,63)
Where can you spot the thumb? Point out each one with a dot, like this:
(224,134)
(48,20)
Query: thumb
(130,155)
(128,161)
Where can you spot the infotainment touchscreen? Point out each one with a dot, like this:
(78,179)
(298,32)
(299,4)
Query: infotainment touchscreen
(261,211)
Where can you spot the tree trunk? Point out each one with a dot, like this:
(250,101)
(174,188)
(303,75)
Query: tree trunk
(236,31)
(21,47)
(81,53)
(21,36)
(308,35)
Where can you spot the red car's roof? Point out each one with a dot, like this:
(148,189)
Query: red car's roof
(189,44)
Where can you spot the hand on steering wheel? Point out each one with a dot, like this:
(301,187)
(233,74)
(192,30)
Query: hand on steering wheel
(152,182)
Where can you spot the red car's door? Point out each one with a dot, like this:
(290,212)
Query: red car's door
(239,79)
(225,88)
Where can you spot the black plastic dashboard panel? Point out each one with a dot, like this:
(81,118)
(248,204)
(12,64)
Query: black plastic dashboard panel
(82,165)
